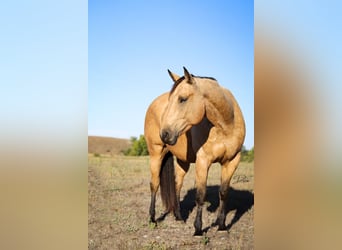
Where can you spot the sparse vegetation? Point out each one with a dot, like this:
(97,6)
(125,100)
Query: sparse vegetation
(154,245)
(152,225)
(205,240)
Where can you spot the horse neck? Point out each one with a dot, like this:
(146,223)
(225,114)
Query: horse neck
(219,108)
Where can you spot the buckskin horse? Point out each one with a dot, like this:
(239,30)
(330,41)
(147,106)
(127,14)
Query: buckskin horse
(199,122)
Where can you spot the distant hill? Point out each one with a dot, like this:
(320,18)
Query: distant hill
(107,145)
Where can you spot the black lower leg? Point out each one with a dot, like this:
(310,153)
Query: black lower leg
(198,221)
(152,208)
(177,213)
(221,218)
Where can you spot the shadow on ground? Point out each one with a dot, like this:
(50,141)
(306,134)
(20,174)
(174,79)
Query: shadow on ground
(239,200)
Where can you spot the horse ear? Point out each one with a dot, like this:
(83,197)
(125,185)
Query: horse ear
(188,76)
(173,76)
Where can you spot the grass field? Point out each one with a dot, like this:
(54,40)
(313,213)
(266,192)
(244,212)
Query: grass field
(118,203)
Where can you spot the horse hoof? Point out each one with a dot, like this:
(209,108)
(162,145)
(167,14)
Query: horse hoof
(198,233)
(178,217)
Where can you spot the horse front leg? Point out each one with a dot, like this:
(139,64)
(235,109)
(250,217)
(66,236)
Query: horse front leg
(180,171)
(200,194)
(154,190)
(155,165)
(202,166)
(228,169)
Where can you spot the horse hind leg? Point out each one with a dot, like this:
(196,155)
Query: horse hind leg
(155,166)
(228,169)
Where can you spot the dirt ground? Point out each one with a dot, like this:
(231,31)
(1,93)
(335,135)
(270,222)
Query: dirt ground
(118,204)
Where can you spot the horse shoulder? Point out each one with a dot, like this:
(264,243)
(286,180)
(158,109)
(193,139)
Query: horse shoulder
(152,122)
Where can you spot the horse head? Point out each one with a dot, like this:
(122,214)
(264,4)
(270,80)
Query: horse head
(185,108)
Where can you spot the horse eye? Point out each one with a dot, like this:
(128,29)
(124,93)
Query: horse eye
(182,99)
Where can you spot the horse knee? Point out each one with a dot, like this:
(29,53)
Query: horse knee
(155,180)
(200,196)
(224,189)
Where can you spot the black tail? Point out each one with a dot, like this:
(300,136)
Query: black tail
(168,183)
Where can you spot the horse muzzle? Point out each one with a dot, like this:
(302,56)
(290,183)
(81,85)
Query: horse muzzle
(168,137)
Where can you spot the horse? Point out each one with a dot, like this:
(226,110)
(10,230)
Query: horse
(199,122)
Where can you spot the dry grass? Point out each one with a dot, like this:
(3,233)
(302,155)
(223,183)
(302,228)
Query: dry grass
(118,202)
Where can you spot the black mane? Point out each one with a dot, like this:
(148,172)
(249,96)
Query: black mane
(182,78)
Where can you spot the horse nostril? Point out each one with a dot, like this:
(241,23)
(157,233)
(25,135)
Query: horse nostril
(168,137)
(165,135)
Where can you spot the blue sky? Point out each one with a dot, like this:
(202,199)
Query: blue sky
(43,75)
(133,43)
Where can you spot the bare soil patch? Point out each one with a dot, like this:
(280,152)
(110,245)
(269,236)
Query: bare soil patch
(118,203)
